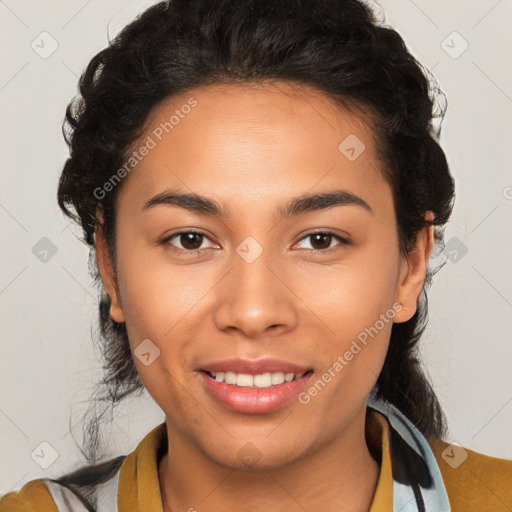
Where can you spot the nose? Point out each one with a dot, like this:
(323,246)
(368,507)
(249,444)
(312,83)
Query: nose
(256,298)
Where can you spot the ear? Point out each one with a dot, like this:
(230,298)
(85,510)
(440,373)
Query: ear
(413,270)
(106,268)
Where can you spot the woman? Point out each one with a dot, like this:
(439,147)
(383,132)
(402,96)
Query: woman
(263,187)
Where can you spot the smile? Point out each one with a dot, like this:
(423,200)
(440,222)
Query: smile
(254,394)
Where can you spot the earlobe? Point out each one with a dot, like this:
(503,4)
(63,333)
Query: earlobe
(413,271)
(106,269)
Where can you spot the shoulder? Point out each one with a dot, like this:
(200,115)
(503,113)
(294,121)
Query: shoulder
(34,496)
(474,481)
(76,491)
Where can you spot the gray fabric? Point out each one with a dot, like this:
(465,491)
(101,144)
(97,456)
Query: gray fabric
(66,500)
(107,494)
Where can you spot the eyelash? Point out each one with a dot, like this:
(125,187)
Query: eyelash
(165,241)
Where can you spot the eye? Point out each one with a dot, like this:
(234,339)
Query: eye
(321,241)
(190,241)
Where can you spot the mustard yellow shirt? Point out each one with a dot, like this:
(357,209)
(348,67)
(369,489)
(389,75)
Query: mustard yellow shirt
(479,484)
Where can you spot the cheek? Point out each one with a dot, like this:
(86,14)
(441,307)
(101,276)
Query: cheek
(161,303)
(352,294)
(155,294)
(355,306)
(155,300)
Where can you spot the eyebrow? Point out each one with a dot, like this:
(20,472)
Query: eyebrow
(297,206)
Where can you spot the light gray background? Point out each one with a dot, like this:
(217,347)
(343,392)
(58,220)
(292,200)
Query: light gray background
(48,367)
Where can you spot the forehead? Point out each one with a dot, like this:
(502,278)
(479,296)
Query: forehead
(253,140)
(260,107)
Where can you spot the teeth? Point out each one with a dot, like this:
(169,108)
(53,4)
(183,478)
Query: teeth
(263,380)
(229,377)
(244,381)
(277,378)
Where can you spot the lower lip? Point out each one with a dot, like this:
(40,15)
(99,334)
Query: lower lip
(254,400)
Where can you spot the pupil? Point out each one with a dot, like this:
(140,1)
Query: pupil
(188,239)
(318,236)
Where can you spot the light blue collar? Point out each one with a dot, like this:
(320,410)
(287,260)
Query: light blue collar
(417,482)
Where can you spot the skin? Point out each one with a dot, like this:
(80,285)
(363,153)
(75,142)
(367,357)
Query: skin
(253,149)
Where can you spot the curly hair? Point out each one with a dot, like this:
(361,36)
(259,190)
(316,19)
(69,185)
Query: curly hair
(339,47)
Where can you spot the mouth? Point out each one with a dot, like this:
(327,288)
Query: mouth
(260,393)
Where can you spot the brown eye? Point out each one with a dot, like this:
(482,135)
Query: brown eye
(191,241)
(322,241)
(187,242)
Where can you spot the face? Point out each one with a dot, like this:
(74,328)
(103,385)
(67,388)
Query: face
(259,280)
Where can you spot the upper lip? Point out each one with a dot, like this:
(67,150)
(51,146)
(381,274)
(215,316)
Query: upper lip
(254,367)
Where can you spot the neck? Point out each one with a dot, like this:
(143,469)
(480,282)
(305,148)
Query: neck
(341,475)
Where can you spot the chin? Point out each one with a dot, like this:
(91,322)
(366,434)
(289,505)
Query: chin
(256,455)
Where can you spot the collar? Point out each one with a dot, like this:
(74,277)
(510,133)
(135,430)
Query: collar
(409,478)
(417,482)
